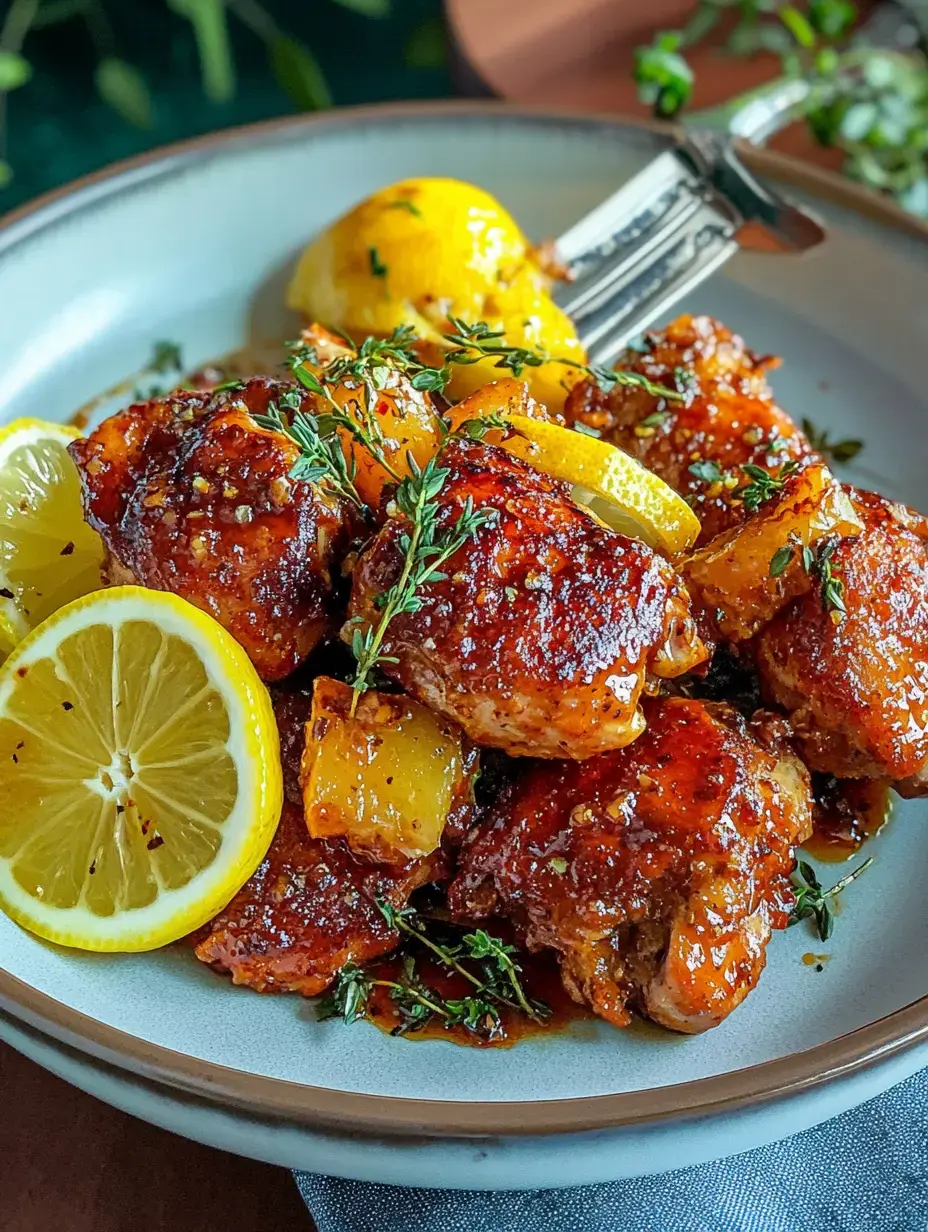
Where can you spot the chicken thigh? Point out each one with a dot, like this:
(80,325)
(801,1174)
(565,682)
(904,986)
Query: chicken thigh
(546,626)
(728,418)
(190,495)
(311,906)
(656,872)
(856,682)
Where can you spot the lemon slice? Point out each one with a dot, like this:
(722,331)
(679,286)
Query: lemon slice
(48,553)
(140,777)
(616,487)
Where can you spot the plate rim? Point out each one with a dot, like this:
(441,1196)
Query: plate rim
(401,1115)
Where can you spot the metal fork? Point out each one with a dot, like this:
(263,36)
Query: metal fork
(672,226)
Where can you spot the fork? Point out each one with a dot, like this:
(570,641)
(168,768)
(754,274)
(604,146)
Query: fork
(675,223)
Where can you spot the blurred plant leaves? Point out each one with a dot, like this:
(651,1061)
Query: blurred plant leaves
(6,173)
(15,71)
(123,87)
(298,74)
(367,8)
(211,29)
(427,46)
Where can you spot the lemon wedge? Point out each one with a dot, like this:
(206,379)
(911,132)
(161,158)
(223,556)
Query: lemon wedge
(140,776)
(615,486)
(48,553)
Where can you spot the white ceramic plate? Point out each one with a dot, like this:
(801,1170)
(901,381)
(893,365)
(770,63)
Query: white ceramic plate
(195,244)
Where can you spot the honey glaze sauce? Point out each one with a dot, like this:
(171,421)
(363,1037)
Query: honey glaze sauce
(847,812)
(540,979)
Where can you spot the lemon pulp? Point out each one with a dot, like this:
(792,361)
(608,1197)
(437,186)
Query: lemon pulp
(48,553)
(140,779)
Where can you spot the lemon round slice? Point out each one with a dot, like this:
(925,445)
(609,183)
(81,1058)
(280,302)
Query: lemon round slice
(140,777)
(48,553)
(616,487)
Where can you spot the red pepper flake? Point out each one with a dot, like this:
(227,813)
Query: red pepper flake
(93,868)
(21,672)
(67,549)
(21,745)
(67,705)
(6,593)
(15,759)
(120,808)
(146,826)
(154,843)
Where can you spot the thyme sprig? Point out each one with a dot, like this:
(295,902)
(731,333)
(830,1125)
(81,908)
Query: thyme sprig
(814,901)
(499,978)
(762,484)
(321,459)
(425,547)
(493,973)
(837,451)
(471,343)
(817,562)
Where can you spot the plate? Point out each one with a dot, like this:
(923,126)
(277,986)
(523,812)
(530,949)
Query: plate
(549,1162)
(195,243)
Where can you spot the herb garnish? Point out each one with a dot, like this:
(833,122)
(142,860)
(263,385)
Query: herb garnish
(425,547)
(378,269)
(166,356)
(485,961)
(837,451)
(403,203)
(763,485)
(475,342)
(707,470)
(813,900)
(321,457)
(817,563)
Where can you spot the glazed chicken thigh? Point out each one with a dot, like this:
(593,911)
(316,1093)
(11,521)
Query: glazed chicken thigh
(311,906)
(190,495)
(856,683)
(657,872)
(728,417)
(546,626)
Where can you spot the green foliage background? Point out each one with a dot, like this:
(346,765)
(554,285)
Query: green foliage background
(58,124)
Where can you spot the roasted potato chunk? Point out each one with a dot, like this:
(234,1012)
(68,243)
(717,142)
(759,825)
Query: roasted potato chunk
(738,577)
(386,777)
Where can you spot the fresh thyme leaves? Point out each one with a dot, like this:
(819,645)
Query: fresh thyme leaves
(818,564)
(498,977)
(763,485)
(707,470)
(425,546)
(837,451)
(492,971)
(476,429)
(655,420)
(814,901)
(403,203)
(226,385)
(831,588)
(472,343)
(166,356)
(378,269)
(321,458)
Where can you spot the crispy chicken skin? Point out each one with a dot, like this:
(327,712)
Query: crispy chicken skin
(310,907)
(547,625)
(857,688)
(658,871)
(191,496)
(729,415)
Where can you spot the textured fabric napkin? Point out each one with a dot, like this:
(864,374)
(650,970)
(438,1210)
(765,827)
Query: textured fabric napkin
(865,1171)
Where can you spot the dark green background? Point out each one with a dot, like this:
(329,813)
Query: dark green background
(58,128)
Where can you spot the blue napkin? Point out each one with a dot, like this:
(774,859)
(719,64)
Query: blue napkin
(865,1171)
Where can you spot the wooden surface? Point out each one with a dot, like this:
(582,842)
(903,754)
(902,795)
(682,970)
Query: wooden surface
(69,1163)
(580,53)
